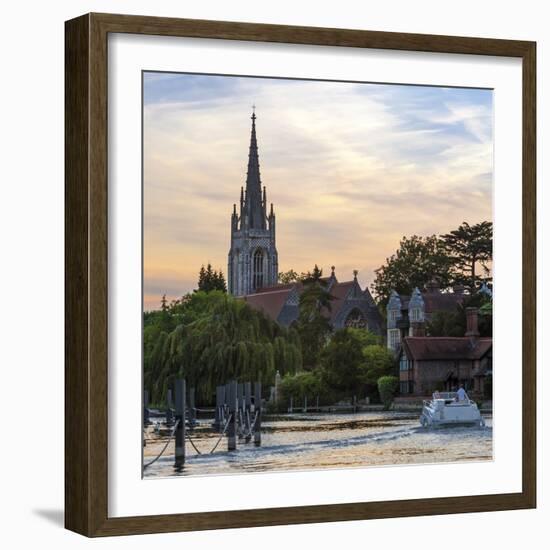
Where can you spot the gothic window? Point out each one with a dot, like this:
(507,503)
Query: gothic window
(356,320)
(258,269)
(393,315)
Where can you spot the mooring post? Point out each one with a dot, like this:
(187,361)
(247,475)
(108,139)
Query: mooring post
(247,406)
(258,413)
(354,403)
(217,415)
(240,407)
(305,403)
(180,417)
(169,412)
(146,420)
(290,407)
(317,405)
(232,428)
(192,409)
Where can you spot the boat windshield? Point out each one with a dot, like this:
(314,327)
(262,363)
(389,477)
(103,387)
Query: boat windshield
(447,395)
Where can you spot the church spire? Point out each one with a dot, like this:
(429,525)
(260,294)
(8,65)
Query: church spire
(255,213)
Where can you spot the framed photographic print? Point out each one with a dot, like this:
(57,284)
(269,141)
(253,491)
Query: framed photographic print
(300,280)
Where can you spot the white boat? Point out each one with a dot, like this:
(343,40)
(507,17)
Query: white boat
(444,409)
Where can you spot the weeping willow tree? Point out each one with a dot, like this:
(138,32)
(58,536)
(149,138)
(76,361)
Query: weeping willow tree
(225,340)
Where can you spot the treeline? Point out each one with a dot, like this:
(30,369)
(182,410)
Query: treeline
(461,257)
(210,338)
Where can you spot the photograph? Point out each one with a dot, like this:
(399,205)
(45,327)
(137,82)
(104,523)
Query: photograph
(317,274)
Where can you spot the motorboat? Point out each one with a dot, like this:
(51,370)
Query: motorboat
(445,409)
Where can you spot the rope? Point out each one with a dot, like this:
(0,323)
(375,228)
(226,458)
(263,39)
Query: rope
(192,443)
(222,434)
(164,448)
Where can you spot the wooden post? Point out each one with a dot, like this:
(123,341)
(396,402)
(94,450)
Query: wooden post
(233,410)
(218,418)
(305,403)
(192,410)
(317,406)
(169,412)
(180,416)
(290,407)
(247,407)
(146,420)
(258,412)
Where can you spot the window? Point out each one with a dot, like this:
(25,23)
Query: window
(415,314)
(404,363)
(356,320)
(405,387)
(393,314)
(258,269)
(394,338)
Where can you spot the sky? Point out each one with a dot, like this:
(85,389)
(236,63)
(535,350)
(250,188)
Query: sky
(349,167)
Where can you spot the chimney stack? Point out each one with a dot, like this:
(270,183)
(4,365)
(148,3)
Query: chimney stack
(471,322)
(418,329)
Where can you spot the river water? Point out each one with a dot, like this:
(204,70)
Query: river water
(312,441)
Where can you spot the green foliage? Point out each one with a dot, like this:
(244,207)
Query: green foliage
(210,280)
(342,362)
(217,338)
(290,276)
(453,323)
(468,246)
(418,261)
(378,361)
(387,388)
(300,385)
(450,259)
(313,325)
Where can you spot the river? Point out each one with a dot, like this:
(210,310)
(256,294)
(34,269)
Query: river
(312,441)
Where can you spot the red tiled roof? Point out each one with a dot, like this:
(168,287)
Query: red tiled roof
(272,299)
(339,292)
(269,301)
(431,348)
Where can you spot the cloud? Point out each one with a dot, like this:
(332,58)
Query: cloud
(349,167)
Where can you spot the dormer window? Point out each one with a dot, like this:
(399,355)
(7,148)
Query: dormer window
(415,314)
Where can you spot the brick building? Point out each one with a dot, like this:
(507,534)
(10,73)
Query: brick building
(428,363)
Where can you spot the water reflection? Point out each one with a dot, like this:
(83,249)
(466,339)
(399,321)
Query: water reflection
(312,441)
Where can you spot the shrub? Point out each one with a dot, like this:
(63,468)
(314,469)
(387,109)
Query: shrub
(387,388)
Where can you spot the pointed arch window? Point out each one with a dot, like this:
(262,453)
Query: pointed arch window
(356,319)
(258,269)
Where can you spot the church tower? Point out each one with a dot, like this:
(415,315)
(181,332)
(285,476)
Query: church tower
(252,260)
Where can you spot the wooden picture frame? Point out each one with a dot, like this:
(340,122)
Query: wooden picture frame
(86,282)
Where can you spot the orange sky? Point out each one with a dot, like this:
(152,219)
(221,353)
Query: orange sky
(350,168)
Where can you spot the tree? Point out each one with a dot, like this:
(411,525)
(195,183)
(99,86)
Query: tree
(387,388)
(300,385)
(453,323)
(341,362)
(468,246)
(313,324)
(220,338)
(210,280)
(418,261)
(378,361)
(288,277)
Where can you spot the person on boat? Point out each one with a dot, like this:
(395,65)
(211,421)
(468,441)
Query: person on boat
(436,395)
(461,394)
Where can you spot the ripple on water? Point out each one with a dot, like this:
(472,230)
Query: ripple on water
(332,441)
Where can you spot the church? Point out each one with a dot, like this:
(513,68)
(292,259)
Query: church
(252,265)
